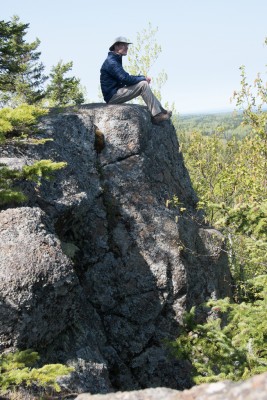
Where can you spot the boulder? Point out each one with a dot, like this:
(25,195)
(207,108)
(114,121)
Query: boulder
(252,389)
(98,266)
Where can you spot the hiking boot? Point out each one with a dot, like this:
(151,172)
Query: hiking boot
(160,117)
(167,112)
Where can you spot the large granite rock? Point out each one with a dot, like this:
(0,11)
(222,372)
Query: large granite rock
(97,267)
(253,389)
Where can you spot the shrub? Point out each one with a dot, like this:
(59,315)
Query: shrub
(17,369)
(232,342)
(42,169)
(20,120)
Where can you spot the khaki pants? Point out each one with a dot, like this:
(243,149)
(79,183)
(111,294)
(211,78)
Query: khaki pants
(140,89)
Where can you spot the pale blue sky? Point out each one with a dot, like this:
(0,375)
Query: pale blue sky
(204,42)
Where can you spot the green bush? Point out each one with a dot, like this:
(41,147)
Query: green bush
(17,370)
(20,120)
(232,344)
(42,169)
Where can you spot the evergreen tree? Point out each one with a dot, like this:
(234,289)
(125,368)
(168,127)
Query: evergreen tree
(231,344)
(62,90)
(16,123)
(11,49)
(19,369)
(21,73)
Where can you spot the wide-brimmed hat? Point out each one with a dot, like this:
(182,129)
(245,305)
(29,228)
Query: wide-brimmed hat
(119,39)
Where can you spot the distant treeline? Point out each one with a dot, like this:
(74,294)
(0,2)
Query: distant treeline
(229,124)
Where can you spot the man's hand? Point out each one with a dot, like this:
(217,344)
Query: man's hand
(148,79)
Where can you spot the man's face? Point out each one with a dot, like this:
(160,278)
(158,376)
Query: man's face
(121,48)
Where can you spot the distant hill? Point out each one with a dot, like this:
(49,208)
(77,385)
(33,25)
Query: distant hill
(230,123)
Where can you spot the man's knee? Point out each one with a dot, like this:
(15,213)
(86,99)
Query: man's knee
(143,84)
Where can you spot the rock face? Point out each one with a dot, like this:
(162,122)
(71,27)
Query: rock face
(252,389)
(97,267)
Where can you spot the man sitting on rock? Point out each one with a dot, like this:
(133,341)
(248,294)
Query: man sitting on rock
(118,86)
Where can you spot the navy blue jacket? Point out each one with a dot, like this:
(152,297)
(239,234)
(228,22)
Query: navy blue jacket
(114,77)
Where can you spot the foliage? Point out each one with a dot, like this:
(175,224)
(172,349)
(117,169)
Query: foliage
(234,350)
(11,50)
(20,120)
(142,56)
(63,91)
(229,177)
(42,169)
(8,193)
(21,73)
(229,173)
(17,369)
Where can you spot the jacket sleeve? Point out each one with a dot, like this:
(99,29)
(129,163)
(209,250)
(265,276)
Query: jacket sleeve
(118,73)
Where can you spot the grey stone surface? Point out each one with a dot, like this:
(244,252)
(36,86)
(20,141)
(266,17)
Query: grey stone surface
(37,280)
(96,269)
(252,389)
